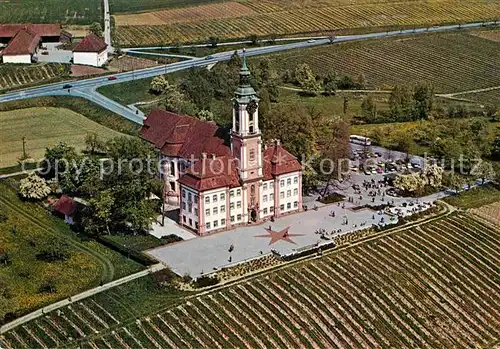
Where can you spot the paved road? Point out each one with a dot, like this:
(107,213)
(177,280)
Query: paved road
(79,297)
(86,88)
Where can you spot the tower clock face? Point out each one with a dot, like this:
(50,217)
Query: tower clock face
(252,107)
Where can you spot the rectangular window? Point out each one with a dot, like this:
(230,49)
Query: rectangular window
(190,197)
(282,183)
(216,224)
(172,186)
(207,200)
(295,204)
(172,168)
(271,209)
(264,198)
(238,204)
(207,225)
(238,217)
(207,212)
(231,194)
(271,197)
(252,155)
(289,181)
(289,205)
(184,219)
(232,218)
(282,195)
(196,212)
(282,207)
(196,225)
(223,208)
(271,185)
(222,222)
(214,198)
(183,193)
(195,199)
(288,193)
(265,210)
(238,192)
(190,208)
(265,186)
(295,180)
(231,206)
(222,197)
(295,191)
(184,206)
(215,210)
(190,222)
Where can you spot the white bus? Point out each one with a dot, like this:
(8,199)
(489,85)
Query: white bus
(360,140)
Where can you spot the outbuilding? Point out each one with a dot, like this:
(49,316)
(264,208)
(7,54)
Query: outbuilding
(92,50)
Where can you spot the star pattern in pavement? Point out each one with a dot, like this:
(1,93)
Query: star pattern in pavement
(278,235)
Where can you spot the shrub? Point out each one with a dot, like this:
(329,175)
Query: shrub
(53,251)
(33,187)
(48,286)
(206,281)
(331,198)
(168,239)
(5,258)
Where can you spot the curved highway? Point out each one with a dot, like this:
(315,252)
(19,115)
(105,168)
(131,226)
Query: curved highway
(87,88)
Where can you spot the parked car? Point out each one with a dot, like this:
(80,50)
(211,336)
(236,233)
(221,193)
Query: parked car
(67,86)
(45,53)
(379,170)
(112,78)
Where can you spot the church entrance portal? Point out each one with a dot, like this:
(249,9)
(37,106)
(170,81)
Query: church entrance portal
(253,215)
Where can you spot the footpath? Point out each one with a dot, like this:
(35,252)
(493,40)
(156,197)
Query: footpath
(79,297)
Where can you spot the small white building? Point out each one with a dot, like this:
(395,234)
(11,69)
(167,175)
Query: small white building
(92,50)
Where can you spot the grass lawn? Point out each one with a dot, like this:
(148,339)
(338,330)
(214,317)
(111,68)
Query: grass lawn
(23,229)
(129,92)
(476,197)
(44,127)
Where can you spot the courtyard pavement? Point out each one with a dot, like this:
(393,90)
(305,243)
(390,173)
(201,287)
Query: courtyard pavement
(202,255)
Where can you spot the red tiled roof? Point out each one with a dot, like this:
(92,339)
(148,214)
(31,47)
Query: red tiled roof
(91,43)
(10,30)
(212,173)
(182,135)
(24,42)
(65,205)
(278,161)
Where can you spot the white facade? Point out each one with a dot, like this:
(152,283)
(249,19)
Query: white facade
(288,192)
(236,206)
(25,59)
(215,209)
(91,58)
(267,199)
(190,207)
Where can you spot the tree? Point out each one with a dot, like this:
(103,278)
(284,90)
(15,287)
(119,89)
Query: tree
(57,159)
(483,170)
(423,96)
(491,111)
(33,187)
(306,79)
(160,85)
(254,39)
(400,103)
(410,183)
(206,115)
(93,144)
(330,83)
(213,41)
(369,109)
(265,102)
(96,29)
(361,82)
(98,215)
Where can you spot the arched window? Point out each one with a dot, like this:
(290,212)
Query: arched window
(252,189)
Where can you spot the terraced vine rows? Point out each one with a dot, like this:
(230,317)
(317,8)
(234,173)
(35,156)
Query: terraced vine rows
(452,62)
(15,76)
(269,18)
(431,286)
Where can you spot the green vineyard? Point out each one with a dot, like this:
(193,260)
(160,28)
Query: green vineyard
(15,76)
(432,286)
(452,62)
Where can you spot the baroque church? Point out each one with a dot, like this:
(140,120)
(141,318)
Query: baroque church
(220,186)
